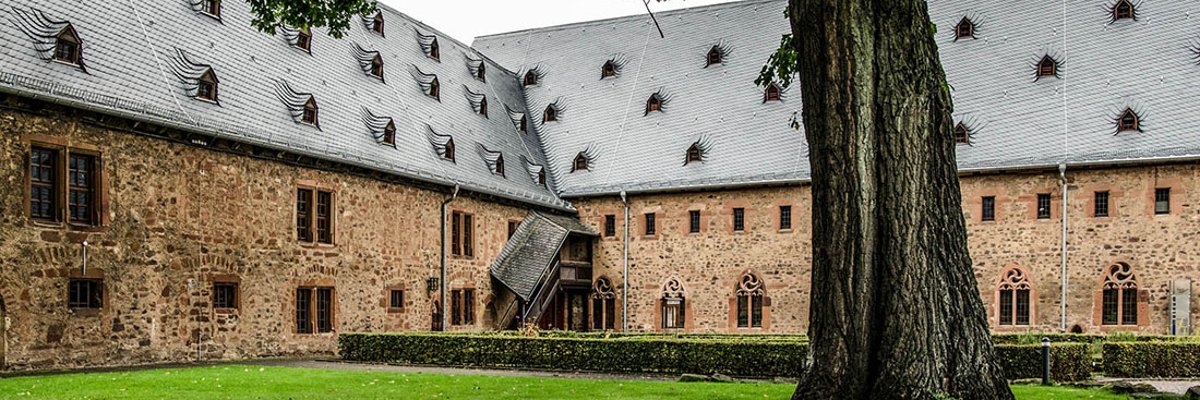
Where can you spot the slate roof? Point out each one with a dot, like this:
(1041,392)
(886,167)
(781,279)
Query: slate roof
(142,58)
(532,249)
(1149,65)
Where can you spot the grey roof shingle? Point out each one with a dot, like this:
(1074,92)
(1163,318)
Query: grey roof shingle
(130,49)
(1016,122)
(532,249)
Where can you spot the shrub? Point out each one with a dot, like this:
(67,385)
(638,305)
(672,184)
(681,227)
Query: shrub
(1152,359)
(1069,362)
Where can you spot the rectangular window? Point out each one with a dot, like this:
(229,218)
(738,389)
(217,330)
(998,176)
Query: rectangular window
(396,299)
(1109,306)
(1162,201)
(610,225)
(324,310)
(650,227)
(1022,307)
(743,311)
(988,209)
(324,217)
(455,307)
(314,310)
(456,233)
(43,182)
(469,306)
(694,221)
(85,294)
(672,313)
(225,295)
(462,307)
(785,217)
(468,239)
(1043,205)
(1101,205)
(81,190)
(1006,308)
(304,310)
(304,200)
(739,219)
(1129,306)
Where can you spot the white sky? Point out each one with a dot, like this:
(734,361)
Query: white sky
(466,19)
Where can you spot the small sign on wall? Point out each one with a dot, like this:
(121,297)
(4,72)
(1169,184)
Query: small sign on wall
(1181,307)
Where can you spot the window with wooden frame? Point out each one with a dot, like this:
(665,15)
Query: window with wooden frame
(377,66)
(85,294)
(749,301)
(481,72)
(314,216)
(1048,66)
(694,221)
(1119,297)
(523,124)
(771,93)
(1122,9)
(530,79)
(462,235)
(483,106)
(314,310)
(1014,296)
(580,163)
(608,70)
(964,29)
(785,218)
(304,40)
(206,86)
(550,115)
(541,177)
(310,114)
(44,184)
(462,310)
(1100,204)
(377,23)
(64,185)
(225,295)
(449,151)
(435,89)
(713,57)
(435,51)
(211,7)
(651,228)
(694,154)
(389,132)
(654,103)
(962,135)
(739,219)
(395,299)
(987,208)
(81,188)
(1129,121)
(1162,201)
(68,48)
(604,305)
(610,225)
(1043,206)
(500,165)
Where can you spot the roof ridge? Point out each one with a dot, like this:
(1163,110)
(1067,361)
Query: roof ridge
(443,35)
(686,10)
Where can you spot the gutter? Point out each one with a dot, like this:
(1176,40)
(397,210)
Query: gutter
(442,306)
(1062,176)
(625,270)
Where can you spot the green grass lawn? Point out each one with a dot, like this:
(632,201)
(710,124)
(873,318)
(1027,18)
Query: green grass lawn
(254,382)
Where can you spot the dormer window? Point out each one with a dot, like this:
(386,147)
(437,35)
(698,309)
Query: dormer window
(377,66)
(310,112)
(435,89)
(212,7)
(964,29)
(531,78)
(962,135)
(377,23)
(67,46)
(693,153)
(608,70)
(1047,67)
(523,124)
(550,115)
(483,106)
(434,51)
(389,132)
(304,39)
(500,165)
(771,93)
(714,56)
(206,86)
(481,72)
(541,176)
(448,153)
(654,103)
(580,163)
(1129,121)
(1122,10)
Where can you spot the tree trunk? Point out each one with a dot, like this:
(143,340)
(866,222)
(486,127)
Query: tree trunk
(896,312)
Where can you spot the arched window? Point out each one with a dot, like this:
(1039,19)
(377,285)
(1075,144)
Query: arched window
(434,50)
(531,78)
(500,165)
(377,23)
(608,70)
(310,112)
(694,153)
(1119,297)
(67,46)
(964,29)
(448,153)
(714,56)
(377,66)
(389,132)
(1123,9)
(962,135)
(604,305)
(673,306)
(749,301)
(435,89)
(654,103)
(771,93)
(1129,121)
(1014,293)
(206,86)
(580,163)
(1048,66)
(551,114)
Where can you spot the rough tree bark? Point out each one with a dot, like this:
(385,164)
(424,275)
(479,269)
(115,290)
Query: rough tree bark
(896,312)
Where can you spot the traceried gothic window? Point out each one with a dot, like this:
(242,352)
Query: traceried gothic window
(1119,296)
(749,301)
(604,305)
(673,305)
(1014,307)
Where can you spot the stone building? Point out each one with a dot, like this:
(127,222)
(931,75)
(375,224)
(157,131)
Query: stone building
(232,193)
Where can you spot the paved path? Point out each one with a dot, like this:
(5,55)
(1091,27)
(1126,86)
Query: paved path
(1176,386)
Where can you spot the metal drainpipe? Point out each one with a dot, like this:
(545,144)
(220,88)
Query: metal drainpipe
(625,272)
(442,306)
(1062,176)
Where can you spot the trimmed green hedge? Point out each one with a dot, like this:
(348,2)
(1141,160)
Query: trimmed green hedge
(751,356)
(1069,362)
(1152,359)
(1036,338)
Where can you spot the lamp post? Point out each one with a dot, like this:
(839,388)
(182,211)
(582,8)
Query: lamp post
(1045,361)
